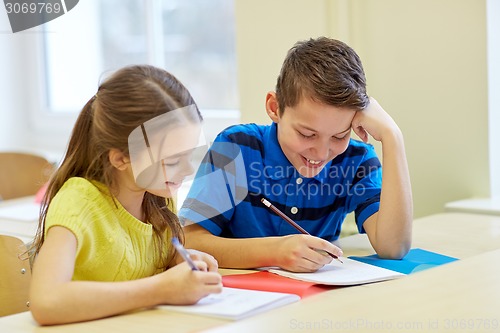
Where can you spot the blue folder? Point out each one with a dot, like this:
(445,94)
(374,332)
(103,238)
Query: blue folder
(416,260)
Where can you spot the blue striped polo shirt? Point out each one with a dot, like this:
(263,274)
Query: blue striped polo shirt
(229,204)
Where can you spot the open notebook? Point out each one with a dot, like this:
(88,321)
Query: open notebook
(351,272)
(235,303)
(361,270)
(354,271)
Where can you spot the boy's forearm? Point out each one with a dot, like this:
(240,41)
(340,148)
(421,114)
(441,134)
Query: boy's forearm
(241,253)
(394,220)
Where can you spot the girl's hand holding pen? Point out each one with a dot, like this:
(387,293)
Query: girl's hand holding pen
(181,285)
(202,260)
(194,275)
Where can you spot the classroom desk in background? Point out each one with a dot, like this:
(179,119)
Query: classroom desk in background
(457,297)
(19,218)
(490,206)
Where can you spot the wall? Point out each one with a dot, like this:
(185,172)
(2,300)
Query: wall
(425,62)
(265,30)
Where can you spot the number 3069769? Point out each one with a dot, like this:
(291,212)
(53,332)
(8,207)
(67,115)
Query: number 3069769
(33,8)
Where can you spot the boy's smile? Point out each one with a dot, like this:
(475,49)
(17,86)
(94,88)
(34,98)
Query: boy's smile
(311,134)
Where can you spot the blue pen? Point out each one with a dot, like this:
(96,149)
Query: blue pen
(184,253)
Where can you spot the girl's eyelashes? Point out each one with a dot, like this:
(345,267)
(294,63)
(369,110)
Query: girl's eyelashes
(170,163)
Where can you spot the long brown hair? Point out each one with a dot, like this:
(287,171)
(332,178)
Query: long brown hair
(124,101)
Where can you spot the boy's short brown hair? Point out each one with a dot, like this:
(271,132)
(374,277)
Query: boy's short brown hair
(324,69)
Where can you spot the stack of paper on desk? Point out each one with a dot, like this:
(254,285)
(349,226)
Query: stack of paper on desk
(235,303)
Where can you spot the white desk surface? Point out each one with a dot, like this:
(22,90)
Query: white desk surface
(23,228)
(475,206)
(457,297)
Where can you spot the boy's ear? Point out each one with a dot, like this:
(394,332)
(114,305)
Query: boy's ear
(118,159)
(272,106)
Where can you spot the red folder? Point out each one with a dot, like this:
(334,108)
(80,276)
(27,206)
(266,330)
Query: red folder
(271,282)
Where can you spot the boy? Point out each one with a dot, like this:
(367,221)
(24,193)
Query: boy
(307,166)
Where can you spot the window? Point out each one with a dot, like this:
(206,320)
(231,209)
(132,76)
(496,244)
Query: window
(194,40)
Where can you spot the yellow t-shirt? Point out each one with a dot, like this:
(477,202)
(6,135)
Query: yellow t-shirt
(112,244)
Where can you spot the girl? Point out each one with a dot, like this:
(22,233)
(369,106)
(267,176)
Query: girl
(103,242)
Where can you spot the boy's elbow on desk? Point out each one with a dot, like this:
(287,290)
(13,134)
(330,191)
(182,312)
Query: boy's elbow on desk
(396,251)
(391,239)
(393,247)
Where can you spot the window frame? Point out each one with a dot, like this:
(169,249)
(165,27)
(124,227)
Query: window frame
(56,127)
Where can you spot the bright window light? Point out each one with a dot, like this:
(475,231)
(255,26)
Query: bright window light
(194,40)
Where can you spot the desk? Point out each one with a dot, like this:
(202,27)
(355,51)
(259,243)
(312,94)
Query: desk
(24,229)
(475,206)
(465,292)
(462,296)
(457,235)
